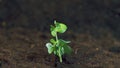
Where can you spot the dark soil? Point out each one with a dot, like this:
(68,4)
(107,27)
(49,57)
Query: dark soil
(25,48)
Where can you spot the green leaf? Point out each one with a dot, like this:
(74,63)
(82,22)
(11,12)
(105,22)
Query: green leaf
(60,50)
(50,48)
(67,49)
(53,33)
(60,27)
(55,52)
(53,41)
(55,22)
(52,28)
(63,41)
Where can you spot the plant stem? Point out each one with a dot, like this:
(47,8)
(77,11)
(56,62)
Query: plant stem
(60,57)
(56,37)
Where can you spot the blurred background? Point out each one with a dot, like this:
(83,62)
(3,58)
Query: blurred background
(80,15)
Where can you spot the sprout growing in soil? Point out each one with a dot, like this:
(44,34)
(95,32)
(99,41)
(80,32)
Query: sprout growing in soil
(58,46)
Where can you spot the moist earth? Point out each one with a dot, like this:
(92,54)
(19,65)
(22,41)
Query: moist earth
(25,48)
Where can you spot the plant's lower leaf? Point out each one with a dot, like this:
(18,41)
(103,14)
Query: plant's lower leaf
(67,49)
(52,41)
(64,41)
(61,42)
(55,52)
(61,50)
(50,48)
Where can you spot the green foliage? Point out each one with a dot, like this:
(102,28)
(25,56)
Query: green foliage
(58,46)
(59,27)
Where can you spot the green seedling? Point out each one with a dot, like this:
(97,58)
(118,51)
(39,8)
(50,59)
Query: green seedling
(57,46)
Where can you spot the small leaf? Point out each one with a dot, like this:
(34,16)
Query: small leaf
(52,28)
(65,48)
(53,33)
(55,22)
(60,27)
(65,41)
(50,48)
(52,41)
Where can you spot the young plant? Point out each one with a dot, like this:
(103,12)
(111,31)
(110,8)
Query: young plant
(58,46)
